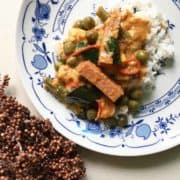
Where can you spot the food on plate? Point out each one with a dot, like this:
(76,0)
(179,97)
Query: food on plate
(107,63)
(29,146)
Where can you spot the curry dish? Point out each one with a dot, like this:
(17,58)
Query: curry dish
(101,66)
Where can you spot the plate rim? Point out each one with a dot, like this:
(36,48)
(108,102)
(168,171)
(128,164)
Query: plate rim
(161,148)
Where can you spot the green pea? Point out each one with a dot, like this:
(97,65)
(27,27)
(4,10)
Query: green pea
(124,100)
(92,37)
(111,122)
(72,61)
(91,114)
(122,120)
(142,56)
(69,47)
(48,84)
(136,94)
(78,24)
(61,91)
(133,105)
(88,23)
(57,65)
(102,13)
(48,81)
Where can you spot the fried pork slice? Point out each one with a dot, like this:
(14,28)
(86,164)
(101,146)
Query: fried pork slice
(92,73)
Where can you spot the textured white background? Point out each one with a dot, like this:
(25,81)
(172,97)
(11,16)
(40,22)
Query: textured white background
(163,166)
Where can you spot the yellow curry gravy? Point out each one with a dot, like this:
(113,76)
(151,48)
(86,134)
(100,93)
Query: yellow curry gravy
(137,30)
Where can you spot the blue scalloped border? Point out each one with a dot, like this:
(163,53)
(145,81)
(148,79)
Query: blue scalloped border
(177,3)
(161,103)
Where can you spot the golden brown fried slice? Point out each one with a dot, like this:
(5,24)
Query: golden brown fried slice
(92,73)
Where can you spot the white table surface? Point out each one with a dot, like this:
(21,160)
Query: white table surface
(163,166)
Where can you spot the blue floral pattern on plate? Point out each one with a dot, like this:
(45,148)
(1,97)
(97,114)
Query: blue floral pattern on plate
(45,27)
(177,3)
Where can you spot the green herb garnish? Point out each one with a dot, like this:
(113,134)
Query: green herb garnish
(114,49)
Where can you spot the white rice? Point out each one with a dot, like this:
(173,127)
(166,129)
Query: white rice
(159,43)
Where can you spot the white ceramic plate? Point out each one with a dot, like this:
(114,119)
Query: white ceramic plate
(41,25)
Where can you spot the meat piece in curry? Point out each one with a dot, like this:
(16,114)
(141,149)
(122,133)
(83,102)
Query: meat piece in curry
(94,75)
